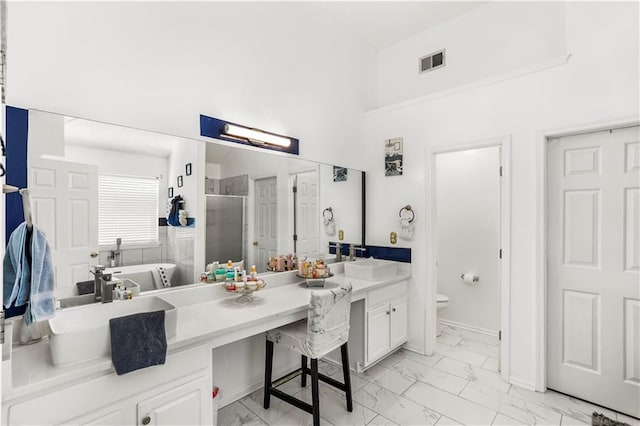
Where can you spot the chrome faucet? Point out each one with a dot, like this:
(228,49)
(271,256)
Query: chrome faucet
(103,290)
(338,252)
(114,257)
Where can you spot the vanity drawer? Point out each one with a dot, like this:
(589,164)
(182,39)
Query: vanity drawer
(384,294)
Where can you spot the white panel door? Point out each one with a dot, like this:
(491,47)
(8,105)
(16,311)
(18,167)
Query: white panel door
(266,222)
(307,214)
(64,199)
(593,283)
(377,332)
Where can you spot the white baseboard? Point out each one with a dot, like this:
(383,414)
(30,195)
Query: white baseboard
(413,348)
(469,327)
(231,398)
(522,383)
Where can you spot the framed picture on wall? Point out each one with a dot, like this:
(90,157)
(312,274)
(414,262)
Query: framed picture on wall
(339,174)
(393,157)
(187,169)
(170,192)
(180,181)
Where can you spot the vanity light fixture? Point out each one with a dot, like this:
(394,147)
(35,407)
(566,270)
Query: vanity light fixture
(256,137)
(232,132)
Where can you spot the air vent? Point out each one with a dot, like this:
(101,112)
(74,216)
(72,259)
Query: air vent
(431,61)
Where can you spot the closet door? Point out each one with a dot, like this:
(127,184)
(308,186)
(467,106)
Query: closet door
(593,281)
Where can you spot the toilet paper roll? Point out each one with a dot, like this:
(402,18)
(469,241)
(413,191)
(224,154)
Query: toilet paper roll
(470,278)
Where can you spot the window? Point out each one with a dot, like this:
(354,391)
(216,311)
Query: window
(127,209)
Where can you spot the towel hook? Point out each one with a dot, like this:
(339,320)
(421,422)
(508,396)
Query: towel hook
(330,211)
(408,209)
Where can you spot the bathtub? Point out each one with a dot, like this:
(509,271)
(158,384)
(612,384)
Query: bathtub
(143,274)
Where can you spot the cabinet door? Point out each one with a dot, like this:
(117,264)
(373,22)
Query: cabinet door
(182,405)
(115,416)
(377,332)
(398,333)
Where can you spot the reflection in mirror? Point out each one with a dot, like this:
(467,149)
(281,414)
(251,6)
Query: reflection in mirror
(275,213)
(103,189)
(94,184)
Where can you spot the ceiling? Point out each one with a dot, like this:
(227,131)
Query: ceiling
(383,23)
(94,134)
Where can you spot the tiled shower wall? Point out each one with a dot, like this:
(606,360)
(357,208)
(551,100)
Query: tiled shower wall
(234,185)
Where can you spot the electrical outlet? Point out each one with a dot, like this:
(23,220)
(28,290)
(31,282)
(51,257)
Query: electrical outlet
(340,234)
(393,237)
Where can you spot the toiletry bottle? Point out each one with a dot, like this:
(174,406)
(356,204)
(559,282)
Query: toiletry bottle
(280,264)
(229,266)
(254,273)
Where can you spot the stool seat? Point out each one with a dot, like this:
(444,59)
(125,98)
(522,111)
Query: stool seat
(325,329)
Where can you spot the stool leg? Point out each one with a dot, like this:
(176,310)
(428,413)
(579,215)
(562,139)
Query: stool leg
(315,397)
(304,371)
(268,366)
(344,349)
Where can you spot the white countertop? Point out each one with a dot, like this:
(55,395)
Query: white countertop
(206,315)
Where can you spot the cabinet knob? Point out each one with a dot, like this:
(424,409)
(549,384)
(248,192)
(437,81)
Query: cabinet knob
(388,313)
(394,309)
(146,420)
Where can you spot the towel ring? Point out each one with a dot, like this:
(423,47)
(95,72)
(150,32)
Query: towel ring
(324,216)
(410,210)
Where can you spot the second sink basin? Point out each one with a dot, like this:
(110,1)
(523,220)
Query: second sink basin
(82,333)
(371,269)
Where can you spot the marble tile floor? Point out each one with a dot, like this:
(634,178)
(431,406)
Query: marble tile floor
(459,385)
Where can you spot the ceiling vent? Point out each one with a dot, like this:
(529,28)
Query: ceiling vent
(431,61)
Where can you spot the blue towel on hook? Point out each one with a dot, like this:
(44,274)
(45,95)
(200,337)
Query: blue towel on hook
(29,282)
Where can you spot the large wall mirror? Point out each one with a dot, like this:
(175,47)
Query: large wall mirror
(102,193)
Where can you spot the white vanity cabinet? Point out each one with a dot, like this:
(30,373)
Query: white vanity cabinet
(182,405)
(386,324)
(178,392)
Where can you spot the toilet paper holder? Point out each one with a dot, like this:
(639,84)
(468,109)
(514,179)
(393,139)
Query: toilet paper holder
(475,277)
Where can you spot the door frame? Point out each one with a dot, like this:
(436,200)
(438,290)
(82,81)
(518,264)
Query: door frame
(540,308)
(504,142)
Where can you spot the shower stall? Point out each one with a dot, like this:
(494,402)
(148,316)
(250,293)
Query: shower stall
(226,228)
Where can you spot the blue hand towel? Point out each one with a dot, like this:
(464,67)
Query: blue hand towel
(16,285)
(137,341)
(26,282)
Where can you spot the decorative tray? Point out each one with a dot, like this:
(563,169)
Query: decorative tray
(315,282)
(246,290)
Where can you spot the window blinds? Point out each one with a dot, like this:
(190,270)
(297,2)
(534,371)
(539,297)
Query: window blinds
(127,209)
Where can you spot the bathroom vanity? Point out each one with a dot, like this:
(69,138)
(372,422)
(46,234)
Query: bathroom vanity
(218,342)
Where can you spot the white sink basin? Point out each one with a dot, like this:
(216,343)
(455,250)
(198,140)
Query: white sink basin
(371,269)
(82,333)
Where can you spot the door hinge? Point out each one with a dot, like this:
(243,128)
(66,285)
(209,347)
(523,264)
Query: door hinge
(500,254)
(295,189)
(2,327)
(500,170)
(295,237)
(500,335)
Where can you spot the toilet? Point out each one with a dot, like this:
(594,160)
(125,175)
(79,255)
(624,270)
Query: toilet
(441,302)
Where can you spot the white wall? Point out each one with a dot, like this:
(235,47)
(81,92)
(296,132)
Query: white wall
(586,90)
(489,40)
(345,198)
(468,236)
(285,67)
(186,244)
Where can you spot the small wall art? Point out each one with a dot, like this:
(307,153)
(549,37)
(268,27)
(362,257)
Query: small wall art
(339,174)
(180,181)
(187,169)
(170,192)
(393,157)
